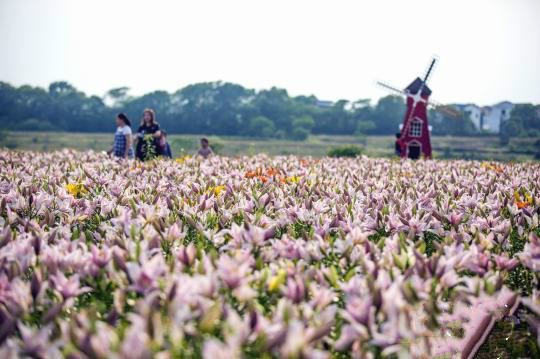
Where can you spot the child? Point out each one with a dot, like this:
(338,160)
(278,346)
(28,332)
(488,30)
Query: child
(205,149)
(164,147)
(122,139)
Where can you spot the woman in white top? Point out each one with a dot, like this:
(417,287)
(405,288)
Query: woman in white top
(122,139)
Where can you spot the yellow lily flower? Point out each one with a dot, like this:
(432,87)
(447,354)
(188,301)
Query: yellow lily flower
(76,189)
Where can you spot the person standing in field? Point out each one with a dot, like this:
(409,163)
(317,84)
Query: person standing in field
(205,149)
(398,145)
(148,136)
(122,138)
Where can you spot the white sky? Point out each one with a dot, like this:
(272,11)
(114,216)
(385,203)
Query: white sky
(489,50)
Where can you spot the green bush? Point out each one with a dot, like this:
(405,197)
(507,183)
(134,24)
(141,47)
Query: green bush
(280,135)
(261,126)
(504,138)
(345,151)
(304,122)
(533,133)
(300,134)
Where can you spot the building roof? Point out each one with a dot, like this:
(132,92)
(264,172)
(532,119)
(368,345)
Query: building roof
(503,103)
(414,87)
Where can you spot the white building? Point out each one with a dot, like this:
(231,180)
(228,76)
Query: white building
(475,113)
(495,114)
(488,118)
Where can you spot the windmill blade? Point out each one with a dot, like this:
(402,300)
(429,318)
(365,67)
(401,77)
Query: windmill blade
(444,109)
(447,110)
(391,88)
(429,71)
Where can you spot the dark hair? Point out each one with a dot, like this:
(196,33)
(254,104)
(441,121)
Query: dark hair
(124,118)
(398,135)
(163,133)
(204,140)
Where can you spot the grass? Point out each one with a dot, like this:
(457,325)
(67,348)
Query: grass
(483,148)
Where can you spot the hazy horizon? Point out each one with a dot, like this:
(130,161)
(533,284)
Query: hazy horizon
(488,50)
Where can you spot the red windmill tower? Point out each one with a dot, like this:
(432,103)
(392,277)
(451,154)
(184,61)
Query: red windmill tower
(414,135)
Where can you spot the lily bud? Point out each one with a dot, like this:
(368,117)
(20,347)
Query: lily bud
(35,284)
(6,236)
(186,255)
(36,243)
(119,261)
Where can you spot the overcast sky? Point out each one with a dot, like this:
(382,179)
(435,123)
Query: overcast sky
(489,50)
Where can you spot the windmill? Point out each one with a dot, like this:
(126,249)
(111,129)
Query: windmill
(414,137)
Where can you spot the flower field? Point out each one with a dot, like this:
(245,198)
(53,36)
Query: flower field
(256,257)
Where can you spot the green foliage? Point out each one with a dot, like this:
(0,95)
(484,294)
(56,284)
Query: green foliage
(118,96)
(302,230)
(345,151)
(524,121)
(149,150)
(388,115)
(461,125)
(305,121)
(521,279)
(211,108)
(429,239)
(101,297)
(261,126)
(516,243)
(300,134)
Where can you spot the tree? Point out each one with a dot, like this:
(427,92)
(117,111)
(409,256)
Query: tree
(305,121)
(460,125)
(299,134)
(388,115)
(227,109)
(512,128)
(61,88)
(260,126)
(118,96)
(525,117)
(524,121)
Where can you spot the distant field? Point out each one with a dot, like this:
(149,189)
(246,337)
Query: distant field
(486,148)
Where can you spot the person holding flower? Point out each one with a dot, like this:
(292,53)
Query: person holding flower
(148,136)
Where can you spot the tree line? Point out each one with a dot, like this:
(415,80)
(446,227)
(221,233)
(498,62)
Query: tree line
(212,108)
(524,121)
